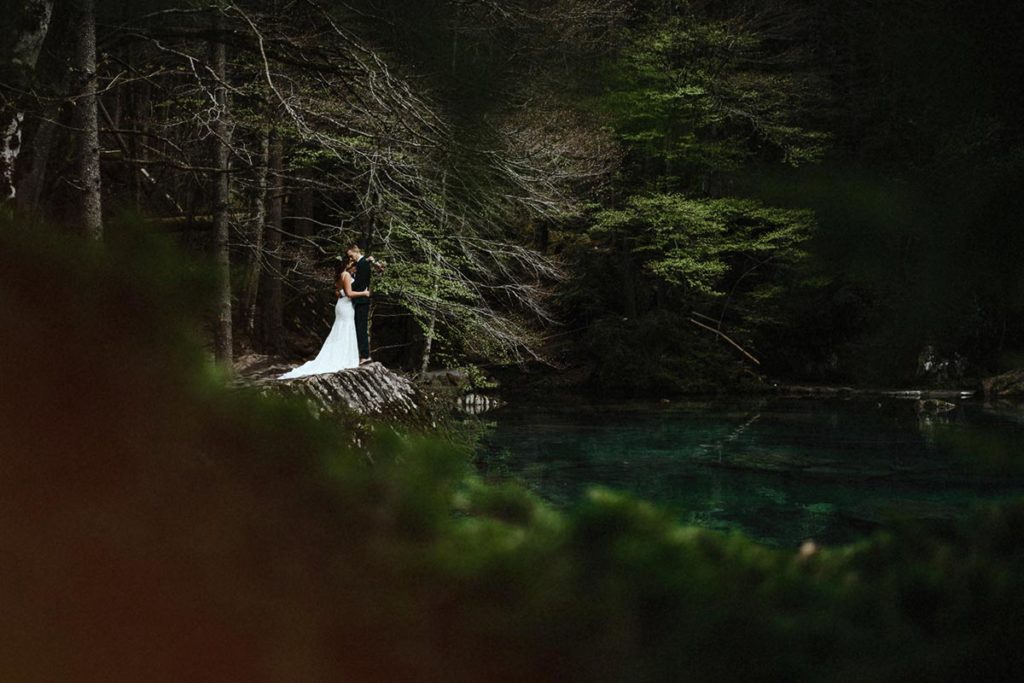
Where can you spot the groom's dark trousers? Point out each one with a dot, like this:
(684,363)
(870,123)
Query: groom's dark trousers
(363,328)
(360,283)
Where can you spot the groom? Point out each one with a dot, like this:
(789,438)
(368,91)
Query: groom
(361,283)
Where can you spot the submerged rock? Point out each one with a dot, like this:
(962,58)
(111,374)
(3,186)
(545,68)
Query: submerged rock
(935,406)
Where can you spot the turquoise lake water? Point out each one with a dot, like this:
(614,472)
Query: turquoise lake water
(780,470)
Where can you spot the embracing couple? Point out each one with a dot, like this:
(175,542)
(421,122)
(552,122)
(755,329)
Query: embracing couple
(348,344)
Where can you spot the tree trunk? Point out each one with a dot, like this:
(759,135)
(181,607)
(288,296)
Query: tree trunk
(627,284)
(49,135)
(541,235)
(431,326)
(273,310)
(222,198)
(258,231)
(18,56)
(303,213)
(142,100)
(9,149)
(86,120)
(425,363)
(31,183)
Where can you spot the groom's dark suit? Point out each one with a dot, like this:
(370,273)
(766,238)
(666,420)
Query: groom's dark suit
(360,283)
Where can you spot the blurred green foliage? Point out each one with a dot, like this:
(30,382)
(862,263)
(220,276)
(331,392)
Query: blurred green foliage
(157,526)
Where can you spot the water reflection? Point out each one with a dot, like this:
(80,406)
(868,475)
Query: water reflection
(782,470)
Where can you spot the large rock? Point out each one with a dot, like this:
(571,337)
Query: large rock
(370,390)
(1008,384)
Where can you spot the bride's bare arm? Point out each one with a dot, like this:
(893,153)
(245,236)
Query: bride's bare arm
(346,284)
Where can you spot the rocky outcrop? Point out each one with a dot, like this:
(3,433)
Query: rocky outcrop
(457,380)
(934,406)
(1009,384)
(370,390)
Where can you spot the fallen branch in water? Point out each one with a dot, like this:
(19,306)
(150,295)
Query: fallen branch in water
(726,337)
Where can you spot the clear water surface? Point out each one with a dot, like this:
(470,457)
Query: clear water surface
(780,470)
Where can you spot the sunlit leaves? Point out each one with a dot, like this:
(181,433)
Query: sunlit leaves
(690,242)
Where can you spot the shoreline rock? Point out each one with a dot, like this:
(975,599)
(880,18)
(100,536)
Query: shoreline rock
(842,391)
(370,390)
(1007,385)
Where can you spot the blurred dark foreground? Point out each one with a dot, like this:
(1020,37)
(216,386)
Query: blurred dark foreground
(155,526)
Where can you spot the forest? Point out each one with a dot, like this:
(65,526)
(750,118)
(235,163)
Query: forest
(645,224)
(832,186)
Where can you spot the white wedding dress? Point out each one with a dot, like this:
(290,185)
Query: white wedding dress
(340,351)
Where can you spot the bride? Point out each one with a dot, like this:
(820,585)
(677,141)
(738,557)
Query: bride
(340,350)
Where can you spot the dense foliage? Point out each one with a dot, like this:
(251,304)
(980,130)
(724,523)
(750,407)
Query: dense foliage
(697,97)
